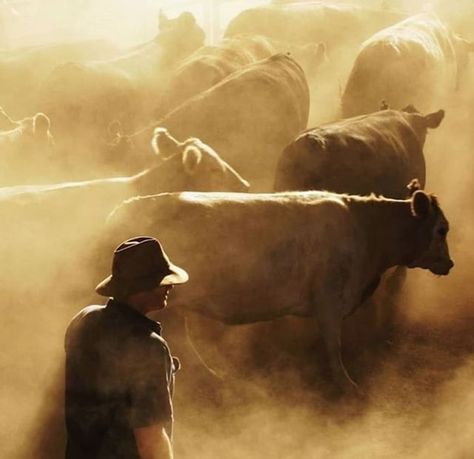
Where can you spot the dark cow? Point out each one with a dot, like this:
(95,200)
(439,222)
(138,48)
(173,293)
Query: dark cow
(416,61)
(300,253)
(27,150)
(377,153)
(210,64)
(248,117)
(83,99)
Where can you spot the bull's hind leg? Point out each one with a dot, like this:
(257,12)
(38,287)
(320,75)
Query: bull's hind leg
(330,324)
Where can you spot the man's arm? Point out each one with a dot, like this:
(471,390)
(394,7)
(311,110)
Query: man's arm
(153,442)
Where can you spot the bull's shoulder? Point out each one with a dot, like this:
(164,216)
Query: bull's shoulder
(372,129)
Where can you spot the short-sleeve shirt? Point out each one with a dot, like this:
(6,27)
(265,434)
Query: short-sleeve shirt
(119,376)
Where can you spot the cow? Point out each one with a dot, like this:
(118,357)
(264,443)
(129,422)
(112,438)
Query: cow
(22,70)
(418,61)
(258,257)
(187,165)
(376,153)
(82,99)
(27,149)
(248,117)
(312,22)
(342,28)
(210,64)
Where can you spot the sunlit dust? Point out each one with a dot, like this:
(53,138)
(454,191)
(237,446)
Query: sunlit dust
(83,84)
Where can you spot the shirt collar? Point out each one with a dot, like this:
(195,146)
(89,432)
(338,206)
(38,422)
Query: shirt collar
(134,316)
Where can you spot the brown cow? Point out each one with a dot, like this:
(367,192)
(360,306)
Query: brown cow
(376,153)
(211,64)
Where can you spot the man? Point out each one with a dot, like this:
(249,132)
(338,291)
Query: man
(119,370)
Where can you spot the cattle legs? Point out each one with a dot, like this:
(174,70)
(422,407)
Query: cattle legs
(330,324)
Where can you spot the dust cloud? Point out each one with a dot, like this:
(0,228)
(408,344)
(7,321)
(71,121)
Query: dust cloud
(276,400)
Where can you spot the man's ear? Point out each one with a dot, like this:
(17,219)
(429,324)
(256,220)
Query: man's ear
(191,159)
(420,204)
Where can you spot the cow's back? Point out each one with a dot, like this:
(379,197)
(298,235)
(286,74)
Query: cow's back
(210,64)
(412,62)
(250,116)
(313,22)
(377,153)
(246,254)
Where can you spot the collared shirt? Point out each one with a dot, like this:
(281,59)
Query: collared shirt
(119,376)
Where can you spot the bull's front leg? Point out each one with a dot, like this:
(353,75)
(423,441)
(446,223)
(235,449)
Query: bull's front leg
(330,324)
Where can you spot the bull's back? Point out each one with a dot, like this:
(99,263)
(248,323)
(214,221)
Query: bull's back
(249,116)
(378,153)
(246,255)
(411,62)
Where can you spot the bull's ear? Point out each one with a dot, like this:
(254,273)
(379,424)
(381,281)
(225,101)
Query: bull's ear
(466,46)
(413,186)
(384,105)
(191,159)
(410,109)
(114,129)
(433,120)
(420,204)
(163,143)
(163,21)
(41,124)
(320,52)
(186,19)
(6,122)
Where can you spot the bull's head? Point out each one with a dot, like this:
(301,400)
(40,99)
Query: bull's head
(432,228)
(202,168)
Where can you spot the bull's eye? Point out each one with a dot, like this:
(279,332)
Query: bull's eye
(443,232)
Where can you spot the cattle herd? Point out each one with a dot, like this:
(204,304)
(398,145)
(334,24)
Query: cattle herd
(275,204)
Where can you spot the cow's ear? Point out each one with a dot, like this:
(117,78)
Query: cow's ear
(384,105)
(413,186)
(420,204)
(410,109)
(163,143)
(41,124)
(191,159)
(320,52)
(433,120)
(186,19)
(114,129)
(466,46)
(163,21)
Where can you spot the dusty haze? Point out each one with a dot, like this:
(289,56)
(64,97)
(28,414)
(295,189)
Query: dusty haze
(417,379)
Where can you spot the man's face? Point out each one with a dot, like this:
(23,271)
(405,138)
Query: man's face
(158,297)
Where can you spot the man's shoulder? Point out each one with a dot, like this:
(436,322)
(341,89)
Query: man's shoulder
(88,312)
(84,320)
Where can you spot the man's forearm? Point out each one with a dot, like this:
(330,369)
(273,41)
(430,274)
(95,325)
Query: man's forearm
(153,442)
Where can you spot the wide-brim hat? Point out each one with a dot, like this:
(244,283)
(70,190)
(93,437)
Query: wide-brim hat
(140,264)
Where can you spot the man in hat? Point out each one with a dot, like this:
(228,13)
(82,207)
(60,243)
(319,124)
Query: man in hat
(119,370)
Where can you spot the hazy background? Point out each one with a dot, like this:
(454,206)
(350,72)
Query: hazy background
(417,379)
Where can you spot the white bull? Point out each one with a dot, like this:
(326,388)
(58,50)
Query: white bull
(259,257)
